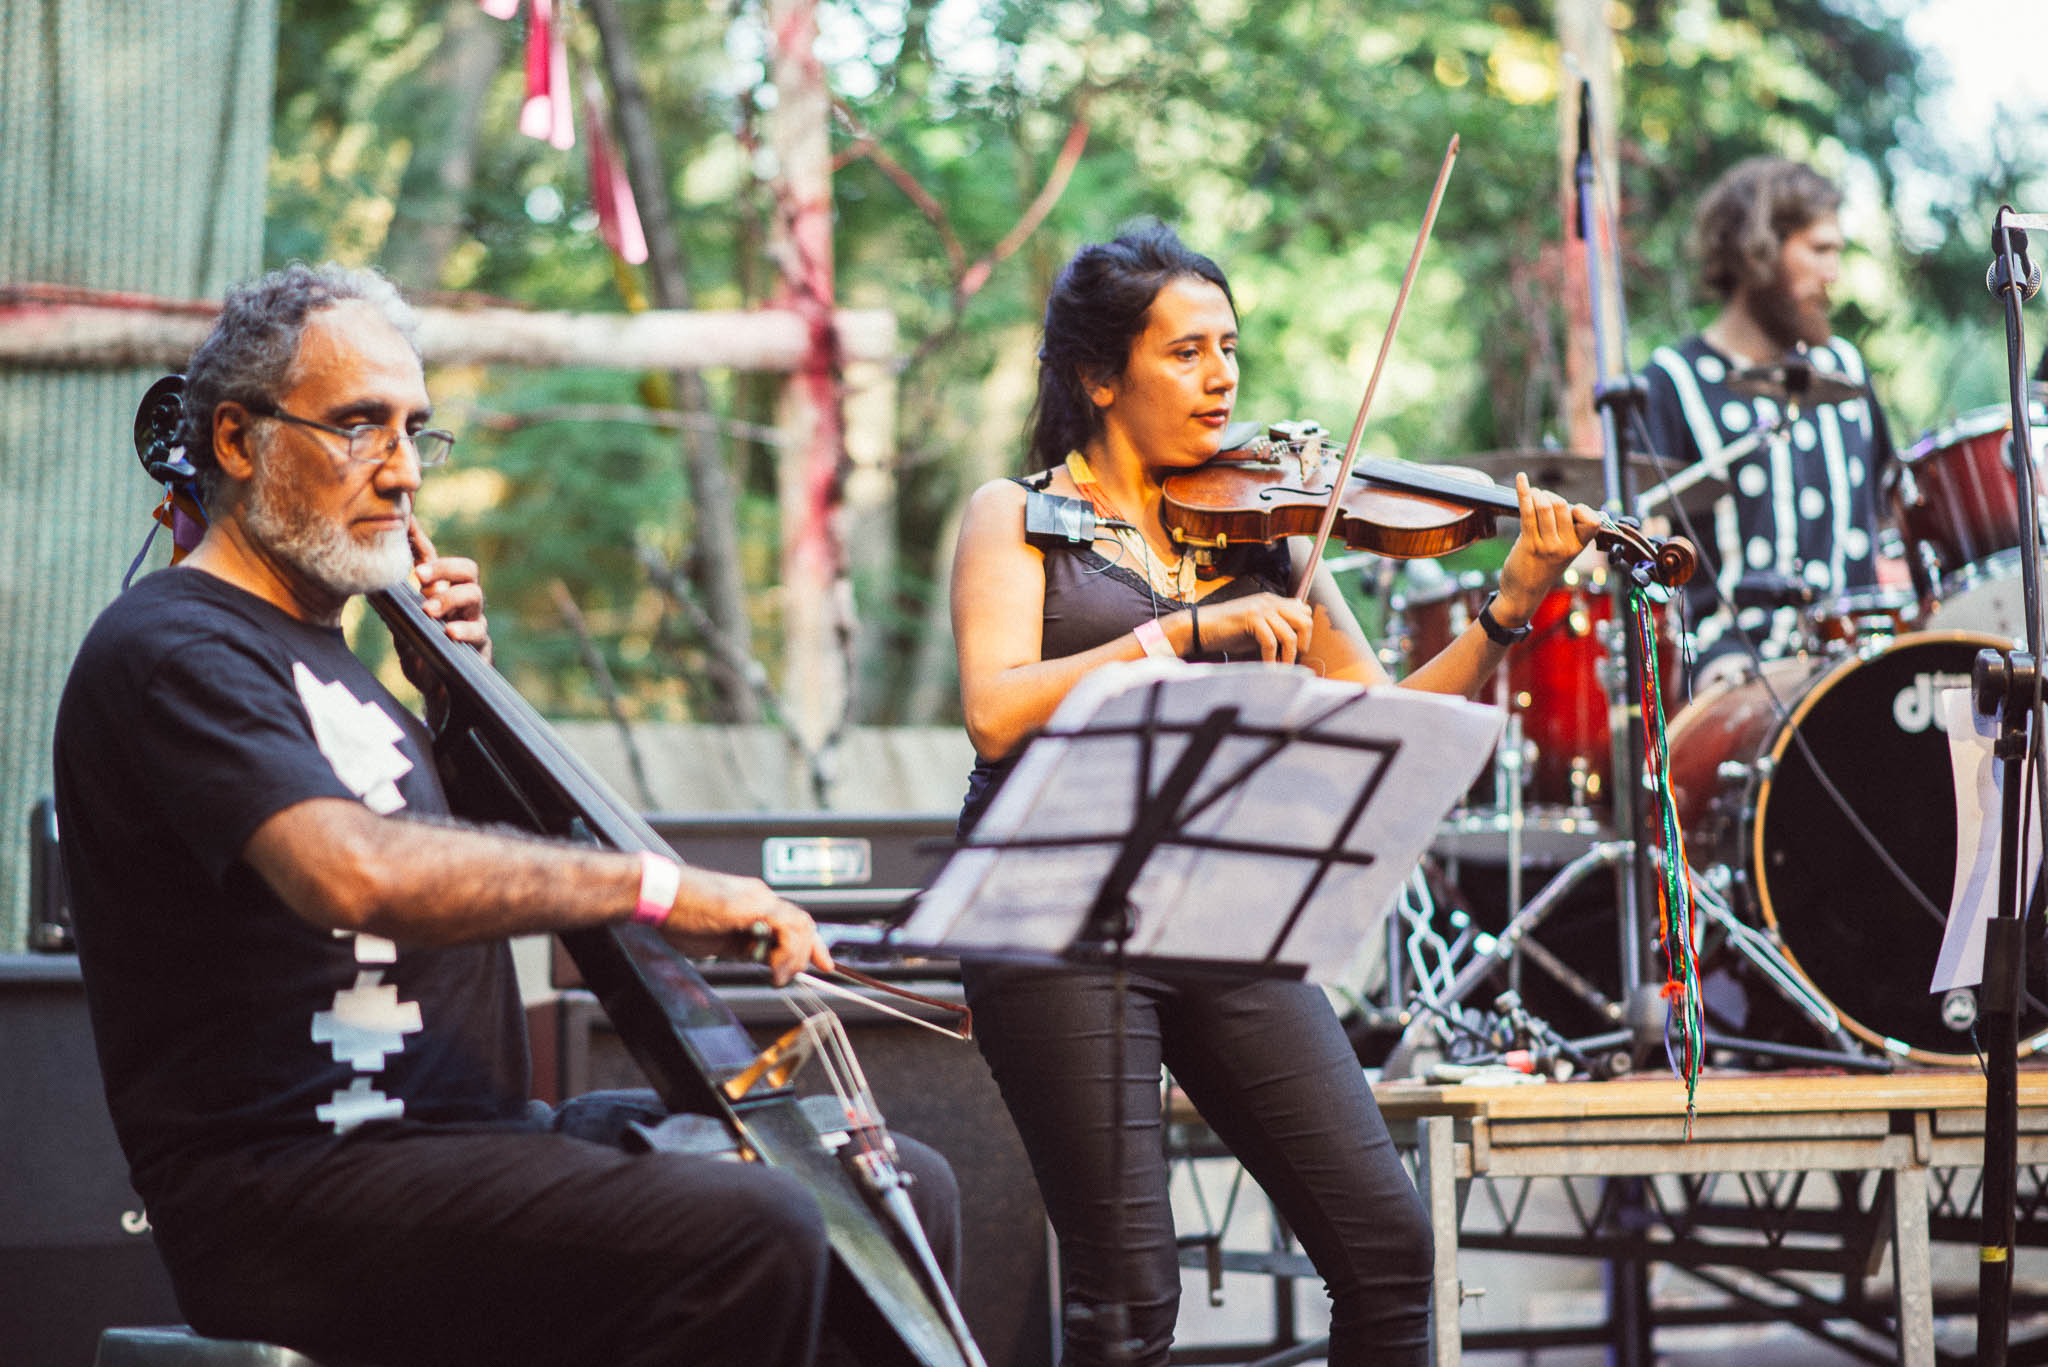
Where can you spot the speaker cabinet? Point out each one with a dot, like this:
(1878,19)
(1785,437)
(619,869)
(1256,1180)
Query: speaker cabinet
(936,1089)
(76,1255)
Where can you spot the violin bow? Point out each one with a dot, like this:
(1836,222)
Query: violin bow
(1339,485)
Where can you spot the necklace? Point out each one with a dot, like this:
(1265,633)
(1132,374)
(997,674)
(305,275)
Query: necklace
(1176,580)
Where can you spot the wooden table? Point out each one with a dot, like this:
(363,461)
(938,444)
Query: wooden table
(1900,1124)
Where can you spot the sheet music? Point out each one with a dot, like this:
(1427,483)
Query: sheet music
(1390,761)
(1979,780)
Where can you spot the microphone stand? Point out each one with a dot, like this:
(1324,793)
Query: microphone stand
(1642,1006)
(2007,684)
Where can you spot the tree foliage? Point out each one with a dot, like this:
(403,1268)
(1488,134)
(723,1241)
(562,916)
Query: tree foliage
(1294,140)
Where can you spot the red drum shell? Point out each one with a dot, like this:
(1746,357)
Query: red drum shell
(1554,678)
(1953,493)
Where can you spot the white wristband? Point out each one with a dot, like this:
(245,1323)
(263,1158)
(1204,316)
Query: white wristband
(660,879)
(1152,637)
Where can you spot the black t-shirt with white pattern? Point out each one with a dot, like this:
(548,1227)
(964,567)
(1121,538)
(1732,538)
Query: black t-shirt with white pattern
(194,712)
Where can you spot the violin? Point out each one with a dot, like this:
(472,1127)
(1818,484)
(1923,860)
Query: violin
(1281,485)
(1286,487)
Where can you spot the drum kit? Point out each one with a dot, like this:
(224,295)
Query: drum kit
(1814,790)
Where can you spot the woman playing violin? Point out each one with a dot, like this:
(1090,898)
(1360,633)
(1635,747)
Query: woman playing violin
(1138,376)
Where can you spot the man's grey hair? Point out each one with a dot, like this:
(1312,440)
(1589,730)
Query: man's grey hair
(249,355)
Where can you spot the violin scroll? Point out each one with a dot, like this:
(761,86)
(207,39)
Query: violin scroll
(1667,562)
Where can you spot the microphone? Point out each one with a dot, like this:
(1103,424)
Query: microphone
(1997,281)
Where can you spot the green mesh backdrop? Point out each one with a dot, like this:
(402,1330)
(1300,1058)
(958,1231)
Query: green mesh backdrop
(133,139)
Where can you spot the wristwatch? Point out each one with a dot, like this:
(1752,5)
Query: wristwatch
(1495,632)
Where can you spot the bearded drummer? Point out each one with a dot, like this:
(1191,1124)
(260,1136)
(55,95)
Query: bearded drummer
(1799,521)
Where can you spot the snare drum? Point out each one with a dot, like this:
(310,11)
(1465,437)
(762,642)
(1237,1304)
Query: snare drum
(1743,777)
(1869,617)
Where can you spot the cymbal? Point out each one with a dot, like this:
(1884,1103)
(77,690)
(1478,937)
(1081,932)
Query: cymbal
(1794,380)
(1576,477)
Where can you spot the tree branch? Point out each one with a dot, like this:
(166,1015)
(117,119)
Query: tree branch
(866,145)
(593,658)
(741,662)
(636,414)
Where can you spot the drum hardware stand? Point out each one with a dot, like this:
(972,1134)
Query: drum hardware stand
(2008,685)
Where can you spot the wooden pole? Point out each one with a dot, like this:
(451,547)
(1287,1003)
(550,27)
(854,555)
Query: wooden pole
(714,559)
(43,327)
(816,611)
(1585,42)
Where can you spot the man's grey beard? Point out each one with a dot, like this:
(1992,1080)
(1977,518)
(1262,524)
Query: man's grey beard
(322,550)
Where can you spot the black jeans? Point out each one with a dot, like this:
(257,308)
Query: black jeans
(549,1245)
(1273,1075)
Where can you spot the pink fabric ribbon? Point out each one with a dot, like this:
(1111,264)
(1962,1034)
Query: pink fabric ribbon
(546,113)
(618,215)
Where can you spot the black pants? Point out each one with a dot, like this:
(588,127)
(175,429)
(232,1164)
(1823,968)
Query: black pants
(1272,1073)
(444,1245)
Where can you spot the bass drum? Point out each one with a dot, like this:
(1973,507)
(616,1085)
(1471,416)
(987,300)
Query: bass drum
(1742,773)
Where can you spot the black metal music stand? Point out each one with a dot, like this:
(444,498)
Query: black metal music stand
(1165,799)
(1135,824)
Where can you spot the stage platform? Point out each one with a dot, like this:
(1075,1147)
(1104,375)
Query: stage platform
(1792,1183)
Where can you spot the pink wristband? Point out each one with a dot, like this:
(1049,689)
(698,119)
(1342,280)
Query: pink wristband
(659,881)
(1153,637)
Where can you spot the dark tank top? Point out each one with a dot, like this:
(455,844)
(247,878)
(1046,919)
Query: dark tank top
(1090,599)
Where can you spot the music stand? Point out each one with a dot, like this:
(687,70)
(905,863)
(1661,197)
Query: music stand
(1240,819)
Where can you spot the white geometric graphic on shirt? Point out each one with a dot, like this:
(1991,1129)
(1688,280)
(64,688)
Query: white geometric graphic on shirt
(366,1022)
(357,1103)
(358,739)
(370,949)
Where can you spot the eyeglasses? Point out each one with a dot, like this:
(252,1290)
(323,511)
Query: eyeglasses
(370,443)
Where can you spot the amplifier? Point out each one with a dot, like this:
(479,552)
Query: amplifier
(76,1254)
(856,873)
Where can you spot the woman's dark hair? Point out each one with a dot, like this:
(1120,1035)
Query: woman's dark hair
(1095,311)
(1742,223)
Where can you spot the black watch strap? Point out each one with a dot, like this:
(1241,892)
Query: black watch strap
(1498,634)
